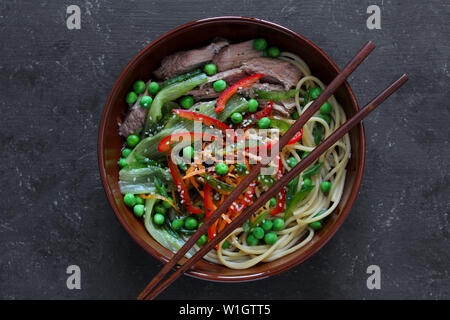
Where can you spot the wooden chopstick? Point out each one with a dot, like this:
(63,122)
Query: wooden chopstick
(308,113)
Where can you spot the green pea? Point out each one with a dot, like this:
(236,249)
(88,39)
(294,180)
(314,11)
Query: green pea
(167,205)
(315,93)
(131,97)
(153,88)
(325,108)
(210,69)
(188,152)
(268,181)
(139,86)
(316,225)
(183,166)
(240,168)
(325,186)
(264,123)
(190,223)
(270,238)
(139,200)
(132,140)
(236,117)
(158,218)
(265,54)
(219,85)
(278,224)
(251,240)
(272,202)
(267,225)
(202,240)
(325,117)
(145,101)
(126,152)
(273,52)
(295,115)
(139,210)
(258,233)
(260,44)
(305,154)
(122,162)
(307,182)
(221,169)
(252,105)
(129,199)
(177,224)
(225,245)
(292,162)
(187,102)
(160,209)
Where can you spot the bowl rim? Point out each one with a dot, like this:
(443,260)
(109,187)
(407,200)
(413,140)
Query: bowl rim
(214,276)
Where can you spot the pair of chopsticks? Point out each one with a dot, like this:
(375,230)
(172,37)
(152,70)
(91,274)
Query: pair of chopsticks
(153,289)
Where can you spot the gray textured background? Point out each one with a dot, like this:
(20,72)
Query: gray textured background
(53,210)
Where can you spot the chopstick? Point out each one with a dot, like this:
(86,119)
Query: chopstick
(308,113)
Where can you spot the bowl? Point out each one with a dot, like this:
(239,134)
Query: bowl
(196,34)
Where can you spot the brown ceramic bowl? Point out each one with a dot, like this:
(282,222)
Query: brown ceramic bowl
(193,35)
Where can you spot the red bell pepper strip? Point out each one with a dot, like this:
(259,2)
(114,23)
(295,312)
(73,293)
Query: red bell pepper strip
(297,137)
(209,208)
(238,206)
(165,143)
(208,121)
(181,187)
(223,98)
(281,196)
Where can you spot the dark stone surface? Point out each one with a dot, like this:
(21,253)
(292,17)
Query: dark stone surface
(54,83)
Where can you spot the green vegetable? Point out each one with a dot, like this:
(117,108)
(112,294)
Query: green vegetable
(219,85)
(251,240)
(268,181)
(318,133)
(177,224)
(132,140)
(313,171)
(158,218)
(129,200)
(307,96)
(126,152)
(325,108)
(292,190)
(307,182)
(292,162)
(272,202)
(270,238)
(295,115)
(264,123)
(181,78)
(273,52)
(202,240)
(139,200)
(260,44)
(281,125)
(160,187)
(225,245)
(325,117)
(210,69)
(190,223)
(278,224)
(221,169)
(170,93)
(236,117)
(131,97)
(258,233)
(217,184)
(275,95)
(296,200)
(160,209)
(316,225)
(145,101)
(315,93)
(139,86)
(153,88)
(240,168)
(252,105)
(267,225)
(122,162)
(166,204)
(325,186)
(145,173)
(305,154)
(187,102)
(139,210)
(188,152)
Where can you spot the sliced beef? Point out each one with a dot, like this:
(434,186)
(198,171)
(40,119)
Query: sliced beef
(232,56)
(133,121)
(275,71)
(206,91)
(284,108)
(184,61)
